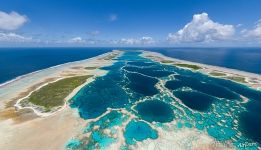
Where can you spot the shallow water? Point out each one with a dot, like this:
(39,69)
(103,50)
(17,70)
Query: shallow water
(139,131)
(128,99)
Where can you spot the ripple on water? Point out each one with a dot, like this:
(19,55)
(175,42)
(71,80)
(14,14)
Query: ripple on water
(195,100)
(155,110)
(138,131)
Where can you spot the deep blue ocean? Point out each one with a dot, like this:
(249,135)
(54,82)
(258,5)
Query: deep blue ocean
(246,59)
(19,61)
(15,62)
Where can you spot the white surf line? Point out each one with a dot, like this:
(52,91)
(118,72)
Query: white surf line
(225,69)
(206,67)
(17,105)
(64,64)
(41,114)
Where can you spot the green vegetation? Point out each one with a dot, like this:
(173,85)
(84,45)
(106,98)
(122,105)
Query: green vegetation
(90,68)
(194,67)
(53,94)
(237,79)
(111,56)
(150,56)
(217,73)
(166,61)
(234,78)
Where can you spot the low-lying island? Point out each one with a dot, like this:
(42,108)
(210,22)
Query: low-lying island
(130,100)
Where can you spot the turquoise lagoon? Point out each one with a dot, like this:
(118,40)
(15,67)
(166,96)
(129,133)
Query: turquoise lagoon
(138,98)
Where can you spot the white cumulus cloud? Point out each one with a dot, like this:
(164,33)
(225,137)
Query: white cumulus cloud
(255,32)
(133,41)
(147,40)
(76,40)
(12,20)
(129,41)
(202,29)
(13,37)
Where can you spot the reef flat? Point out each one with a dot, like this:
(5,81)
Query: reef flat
(30,127)
(148,102)
(144,100)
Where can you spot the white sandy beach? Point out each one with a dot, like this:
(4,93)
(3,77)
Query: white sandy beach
(209,68)
(27,129)
(30,129)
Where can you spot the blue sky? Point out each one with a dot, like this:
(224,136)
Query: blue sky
(130,22)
